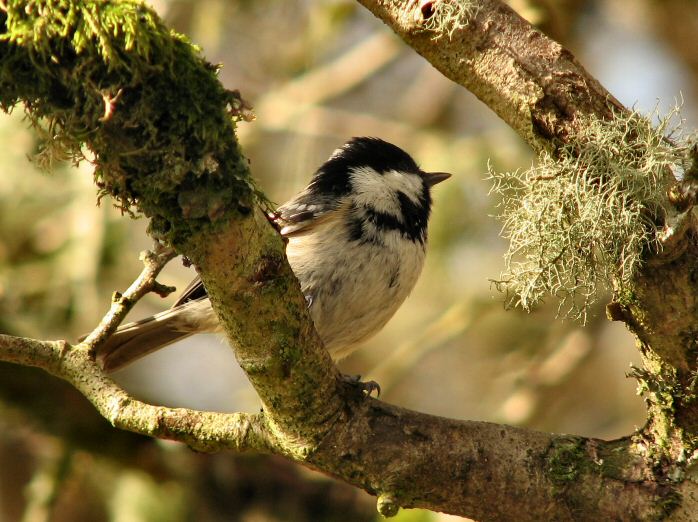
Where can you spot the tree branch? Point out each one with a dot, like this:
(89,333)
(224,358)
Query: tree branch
(406,458)
(203,431)
(539,89)
(179,164)
(146,282)
(533,83)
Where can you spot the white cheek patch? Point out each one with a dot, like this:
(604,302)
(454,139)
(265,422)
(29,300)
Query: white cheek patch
(409,184)
(380,191)
(370,190)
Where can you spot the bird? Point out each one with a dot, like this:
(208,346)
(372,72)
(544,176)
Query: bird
(356,241)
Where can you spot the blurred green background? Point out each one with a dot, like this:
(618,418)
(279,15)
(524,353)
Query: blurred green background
(316,73)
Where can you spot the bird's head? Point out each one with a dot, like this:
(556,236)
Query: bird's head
(384,184)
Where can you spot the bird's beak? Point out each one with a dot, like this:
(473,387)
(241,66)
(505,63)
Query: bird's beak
(432,178)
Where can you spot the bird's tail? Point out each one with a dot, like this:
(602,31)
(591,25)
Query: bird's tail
(132,341)
(135,340)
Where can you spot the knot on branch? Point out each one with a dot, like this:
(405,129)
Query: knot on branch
(684,195)
(387,505)
(269,268)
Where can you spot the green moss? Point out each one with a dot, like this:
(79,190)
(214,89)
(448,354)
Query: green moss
(614,461)
(108,82)
(627,297)
(657,383)
(565,461)
(568,460)
(582,220)
(666,438)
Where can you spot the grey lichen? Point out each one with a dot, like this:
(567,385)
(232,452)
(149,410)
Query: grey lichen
(445,17)
(581,221)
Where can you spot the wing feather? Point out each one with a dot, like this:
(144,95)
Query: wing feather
(194,291)
(303,212)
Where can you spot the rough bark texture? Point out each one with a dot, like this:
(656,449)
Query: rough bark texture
(663,314)
(533,83)
(406,458)
(254,292)
(486,471)
(540,90)
(474,469)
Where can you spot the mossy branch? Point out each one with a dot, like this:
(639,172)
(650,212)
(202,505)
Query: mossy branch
(584,220)
(107,81)
(586,216)
(407,459)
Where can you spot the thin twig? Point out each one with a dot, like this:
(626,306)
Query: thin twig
(153,261)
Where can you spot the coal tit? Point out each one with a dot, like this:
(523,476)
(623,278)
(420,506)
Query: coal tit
(356,242)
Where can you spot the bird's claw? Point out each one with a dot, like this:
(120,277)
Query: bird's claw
(365,387)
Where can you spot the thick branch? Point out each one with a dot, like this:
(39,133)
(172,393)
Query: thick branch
(407,458)
(260,305)
(533,83)
(179,163)
(539,89)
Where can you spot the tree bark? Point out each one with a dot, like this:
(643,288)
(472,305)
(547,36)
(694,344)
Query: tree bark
(187,174)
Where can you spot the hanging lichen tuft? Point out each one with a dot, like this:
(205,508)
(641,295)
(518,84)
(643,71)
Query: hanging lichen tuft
(581,222)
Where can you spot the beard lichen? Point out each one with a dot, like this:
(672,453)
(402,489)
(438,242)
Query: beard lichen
(581,221)
(445,17)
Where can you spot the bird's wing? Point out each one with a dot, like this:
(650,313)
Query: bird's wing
(194,291)
(303,211)
(297,215)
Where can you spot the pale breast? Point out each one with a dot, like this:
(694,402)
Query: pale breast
(354,287)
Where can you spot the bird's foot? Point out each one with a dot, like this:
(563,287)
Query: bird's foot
(366,388)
